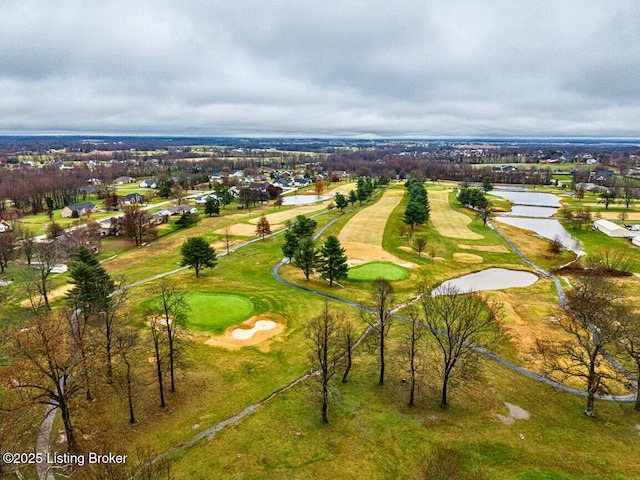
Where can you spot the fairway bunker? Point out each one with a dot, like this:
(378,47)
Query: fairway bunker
(373,270)
(251,332)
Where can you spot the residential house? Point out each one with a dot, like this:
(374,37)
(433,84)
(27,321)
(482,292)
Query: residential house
(131,199)
(611,229)
(148,184)
(202,199)
(216,177)
(85,208)
(123,180)
(179,210)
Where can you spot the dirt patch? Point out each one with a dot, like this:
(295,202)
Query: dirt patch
(439,259)
(484,248)
(467,258)
(449,222)
(281,217)
(411,250)
(53,295)
(515,413)
(228,341)
(362,236)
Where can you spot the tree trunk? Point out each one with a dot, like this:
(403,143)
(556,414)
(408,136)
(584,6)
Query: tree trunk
(325,401)
(381,381)
(636,407)
(445,383)
(346,370)
(413,374)
(162,404)
(132,418)
(72,446)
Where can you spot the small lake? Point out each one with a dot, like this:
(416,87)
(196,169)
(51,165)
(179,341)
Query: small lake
(303,199)
(489,279)
(528,197)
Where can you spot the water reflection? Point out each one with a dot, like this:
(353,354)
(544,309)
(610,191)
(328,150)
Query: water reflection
(489,279)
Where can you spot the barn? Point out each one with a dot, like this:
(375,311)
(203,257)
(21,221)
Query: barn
(611,229)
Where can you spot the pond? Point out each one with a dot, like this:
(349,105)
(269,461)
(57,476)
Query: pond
(532,211)
(303,199)
(489,279)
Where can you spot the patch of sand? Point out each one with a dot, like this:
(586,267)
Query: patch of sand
(449,222)
(246,334)
(484,248)
(515,413)
(362,236)
(411,250)
(229,341)
(439,259)
(467,258)
(245,229)
(53,295)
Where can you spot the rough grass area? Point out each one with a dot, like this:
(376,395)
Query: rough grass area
(374,270)
(214,312)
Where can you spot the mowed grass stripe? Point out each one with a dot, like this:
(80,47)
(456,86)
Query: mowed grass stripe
(447,221)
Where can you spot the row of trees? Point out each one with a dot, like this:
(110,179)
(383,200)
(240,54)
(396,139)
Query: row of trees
(301,249)
(452,320)
(417,210)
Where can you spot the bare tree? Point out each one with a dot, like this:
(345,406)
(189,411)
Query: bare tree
(419,244)
(110,317)
(411,353)
(457,321)
(170,304)
(227,238)
(555,247)
(136,225)
(178,193)
(379,318)
(42,367)
(323,333)
(347,335)
(158,342)
(27,242)
(7,249)
(126,345)
(592,316)
(37,278)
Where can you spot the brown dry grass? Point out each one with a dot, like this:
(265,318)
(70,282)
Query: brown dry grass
(467,258)
(53,295)
(484,248)
(362,236)
(449,222)
(244,229)
(226,340)
(281,217)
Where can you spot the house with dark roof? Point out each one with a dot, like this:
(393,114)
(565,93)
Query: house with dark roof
(85,208)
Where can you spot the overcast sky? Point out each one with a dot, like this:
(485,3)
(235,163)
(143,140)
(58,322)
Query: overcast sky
(321,68)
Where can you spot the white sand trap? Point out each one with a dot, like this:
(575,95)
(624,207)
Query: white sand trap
(245,334)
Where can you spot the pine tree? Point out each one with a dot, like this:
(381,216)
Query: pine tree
(415,214)
(306,256)
(333,261)
(197,254)
(211,207)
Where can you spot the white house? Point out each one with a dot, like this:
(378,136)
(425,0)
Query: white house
(148,184)
(611,229)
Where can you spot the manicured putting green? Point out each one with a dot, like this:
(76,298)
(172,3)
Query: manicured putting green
(215,312)
(373,270)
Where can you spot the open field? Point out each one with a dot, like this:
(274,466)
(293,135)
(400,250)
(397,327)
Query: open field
(448,222)
(362,236)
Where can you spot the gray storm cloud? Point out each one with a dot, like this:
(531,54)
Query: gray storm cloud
(437,68)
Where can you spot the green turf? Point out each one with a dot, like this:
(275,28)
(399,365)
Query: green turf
(373,270)
(214,312)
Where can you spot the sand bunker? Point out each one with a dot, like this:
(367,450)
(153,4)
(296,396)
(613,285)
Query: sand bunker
(467,258)
(245,334)
(253,331)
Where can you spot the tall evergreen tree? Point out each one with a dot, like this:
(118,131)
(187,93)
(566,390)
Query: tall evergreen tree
(197,254)
(333,261)
(306,256)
